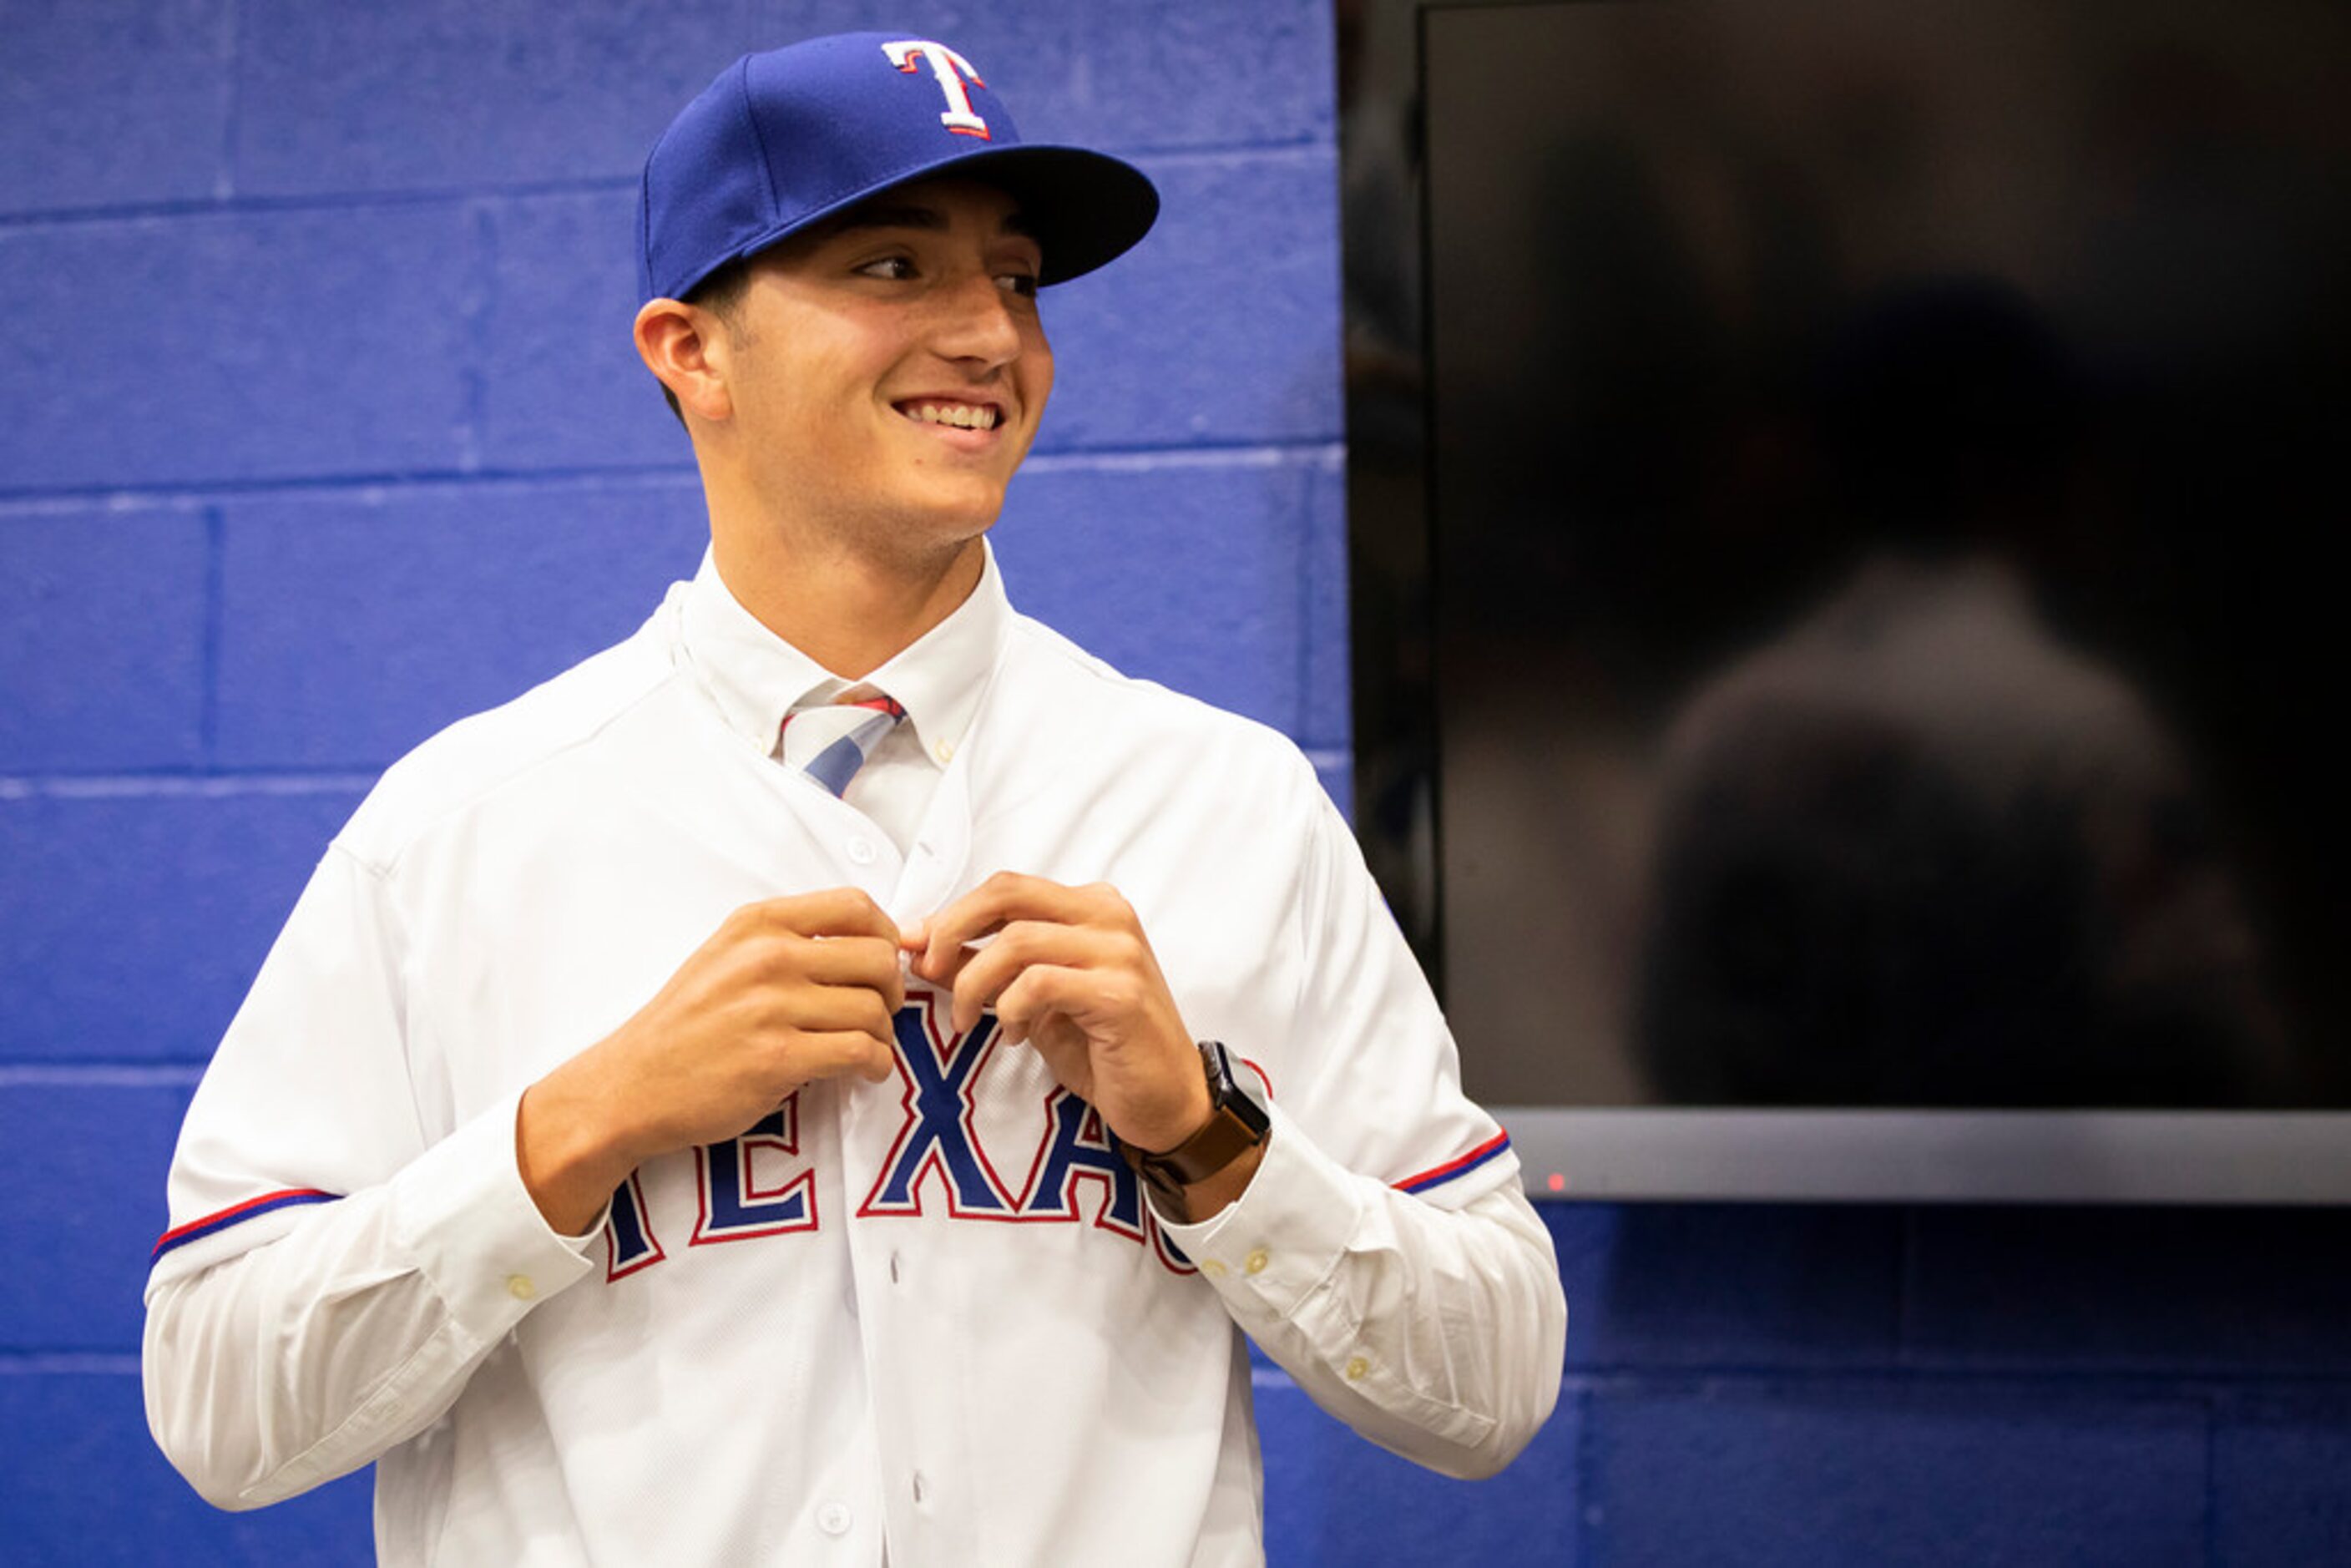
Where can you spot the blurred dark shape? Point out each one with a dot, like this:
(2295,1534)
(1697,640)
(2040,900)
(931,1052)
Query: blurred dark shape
(1953,420)
(1917,850)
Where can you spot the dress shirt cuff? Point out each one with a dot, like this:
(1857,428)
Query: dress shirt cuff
(462,1212)
(1267,1250)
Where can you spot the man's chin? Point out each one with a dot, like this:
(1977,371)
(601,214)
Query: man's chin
(963,511)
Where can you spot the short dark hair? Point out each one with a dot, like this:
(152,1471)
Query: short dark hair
(718,293)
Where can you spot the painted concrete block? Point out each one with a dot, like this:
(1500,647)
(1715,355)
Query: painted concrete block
(1806,1475)
(358,625)
(1333,1500)
(81,1483)
(1327,720)
(452,95)
(2279,1497)
(2204,1290)
(86,1164)
(1727,1285)
(1185,573)
(1213,73)
(132,926)
(110,103)
(102,615)
(1222,326)
(563,385)
(237,346)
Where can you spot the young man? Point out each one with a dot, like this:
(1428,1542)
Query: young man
(745,1100)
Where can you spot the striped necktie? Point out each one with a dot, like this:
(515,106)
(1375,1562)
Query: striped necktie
(830,741)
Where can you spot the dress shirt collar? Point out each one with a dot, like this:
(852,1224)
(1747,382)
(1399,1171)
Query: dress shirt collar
(756,677)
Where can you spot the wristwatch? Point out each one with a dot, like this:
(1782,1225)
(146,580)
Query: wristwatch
(1237,1124)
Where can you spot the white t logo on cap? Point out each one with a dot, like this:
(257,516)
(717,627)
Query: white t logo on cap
(951,71)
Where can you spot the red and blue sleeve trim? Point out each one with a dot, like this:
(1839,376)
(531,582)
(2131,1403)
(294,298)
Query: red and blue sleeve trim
(198,1229)
(1438,1176)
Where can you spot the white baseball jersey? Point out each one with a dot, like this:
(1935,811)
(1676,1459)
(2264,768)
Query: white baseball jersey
(933,1317)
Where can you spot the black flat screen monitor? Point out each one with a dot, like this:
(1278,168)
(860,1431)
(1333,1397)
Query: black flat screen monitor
(1848,646)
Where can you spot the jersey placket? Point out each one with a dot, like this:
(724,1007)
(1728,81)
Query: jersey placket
(916,1399)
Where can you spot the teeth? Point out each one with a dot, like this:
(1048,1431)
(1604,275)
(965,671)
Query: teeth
(963,415)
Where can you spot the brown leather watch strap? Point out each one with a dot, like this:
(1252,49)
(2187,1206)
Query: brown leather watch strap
(1235,1126)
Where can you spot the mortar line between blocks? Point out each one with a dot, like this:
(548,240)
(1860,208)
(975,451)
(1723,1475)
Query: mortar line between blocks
(208,699)
(51,1362)
(99,1074)
(183,784)
(228,202)
(481,306)
(1312,450)
(231,45)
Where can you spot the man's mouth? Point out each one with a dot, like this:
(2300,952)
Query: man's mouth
(961,415)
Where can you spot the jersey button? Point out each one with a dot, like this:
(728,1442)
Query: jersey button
(1256,1261)
(833,1519)
(520,1288)
(861,850)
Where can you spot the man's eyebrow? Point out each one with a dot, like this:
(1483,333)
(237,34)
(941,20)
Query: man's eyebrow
(905,216)
(913,216)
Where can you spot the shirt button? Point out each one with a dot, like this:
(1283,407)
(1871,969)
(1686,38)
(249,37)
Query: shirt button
(1213,1269)
(833,1519)
(520,1288)
(1256,1261)
(861,850)
(943,751)
(1356,1367)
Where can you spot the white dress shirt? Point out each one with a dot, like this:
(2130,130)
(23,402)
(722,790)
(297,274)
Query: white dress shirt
(754,678)
(927,1318)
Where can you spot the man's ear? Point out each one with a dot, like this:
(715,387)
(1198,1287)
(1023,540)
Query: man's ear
(684,347)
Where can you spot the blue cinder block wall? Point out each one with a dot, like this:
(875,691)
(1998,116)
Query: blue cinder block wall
(320,427)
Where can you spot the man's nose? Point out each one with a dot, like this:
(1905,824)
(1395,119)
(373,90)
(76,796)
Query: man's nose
(978,322)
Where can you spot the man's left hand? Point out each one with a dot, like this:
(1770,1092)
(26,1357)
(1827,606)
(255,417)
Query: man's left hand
(1069,971)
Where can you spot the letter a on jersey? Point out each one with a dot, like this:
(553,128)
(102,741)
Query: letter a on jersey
(950,71)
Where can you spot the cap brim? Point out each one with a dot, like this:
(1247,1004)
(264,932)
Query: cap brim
(1084,208)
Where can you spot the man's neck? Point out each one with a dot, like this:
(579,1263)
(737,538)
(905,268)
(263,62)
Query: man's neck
(848,610)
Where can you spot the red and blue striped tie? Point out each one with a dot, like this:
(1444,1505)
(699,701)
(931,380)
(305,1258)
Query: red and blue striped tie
(830,741)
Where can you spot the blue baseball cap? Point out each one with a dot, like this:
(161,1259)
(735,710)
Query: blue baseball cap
(787,138)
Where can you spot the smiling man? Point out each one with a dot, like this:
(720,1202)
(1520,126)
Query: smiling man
(832,1077)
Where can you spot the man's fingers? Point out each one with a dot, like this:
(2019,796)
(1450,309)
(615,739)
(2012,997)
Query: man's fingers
(834,912)
(981,976)
(1005,897)
(838,1053)
(868,961)
(1038,989)
(822,1008)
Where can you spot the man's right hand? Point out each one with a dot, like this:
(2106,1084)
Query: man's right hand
(784,992)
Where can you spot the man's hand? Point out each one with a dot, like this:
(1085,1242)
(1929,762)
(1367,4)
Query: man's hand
(784,992)
(1069,972)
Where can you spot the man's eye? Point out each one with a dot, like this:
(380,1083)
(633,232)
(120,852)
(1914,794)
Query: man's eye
(891,267)
(1024,284)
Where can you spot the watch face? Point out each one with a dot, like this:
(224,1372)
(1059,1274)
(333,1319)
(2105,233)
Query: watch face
(1231,1096)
